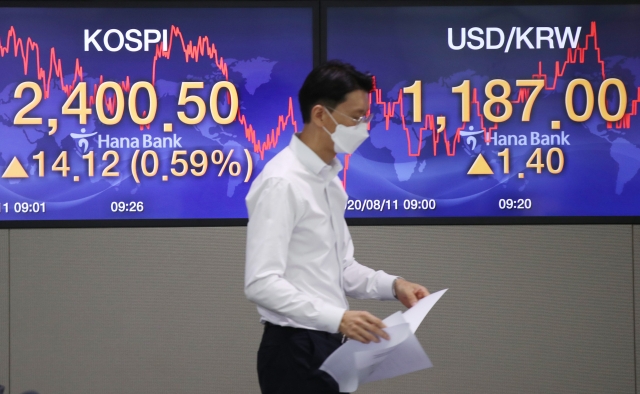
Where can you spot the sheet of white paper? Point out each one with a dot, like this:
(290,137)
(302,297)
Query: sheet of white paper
(341,364)
(369,360)
(354,362)
(416,314)
(394,320)
(405,358)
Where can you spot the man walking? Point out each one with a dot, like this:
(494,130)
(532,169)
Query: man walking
(299,258)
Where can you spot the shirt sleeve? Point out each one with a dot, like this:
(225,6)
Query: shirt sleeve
(364,282)
(272,217)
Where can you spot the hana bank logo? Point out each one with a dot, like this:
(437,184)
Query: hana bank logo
(82,141)
(471,136)
(494,38)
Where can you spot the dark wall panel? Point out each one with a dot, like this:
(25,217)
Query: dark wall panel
(131,311)
(636,282)
(4,308)
(531,309)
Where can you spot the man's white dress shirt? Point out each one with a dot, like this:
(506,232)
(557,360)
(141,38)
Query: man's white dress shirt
(299,257)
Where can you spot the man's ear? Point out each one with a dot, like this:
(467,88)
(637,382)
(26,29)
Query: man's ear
(318,114)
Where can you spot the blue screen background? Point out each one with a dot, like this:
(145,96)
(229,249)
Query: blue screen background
(268,53)
(400,45)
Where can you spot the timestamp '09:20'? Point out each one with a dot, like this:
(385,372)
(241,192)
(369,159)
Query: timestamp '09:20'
(508,203)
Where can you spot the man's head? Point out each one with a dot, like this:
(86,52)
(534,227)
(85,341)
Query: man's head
(333,94)
(329,85)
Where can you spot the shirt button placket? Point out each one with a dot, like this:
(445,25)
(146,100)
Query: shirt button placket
(333,227)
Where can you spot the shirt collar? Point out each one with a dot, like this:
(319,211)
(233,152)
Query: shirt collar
(312,161)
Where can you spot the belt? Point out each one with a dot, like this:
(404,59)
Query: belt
(342,338)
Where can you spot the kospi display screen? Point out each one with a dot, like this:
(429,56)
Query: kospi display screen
(494,111)
(144,113)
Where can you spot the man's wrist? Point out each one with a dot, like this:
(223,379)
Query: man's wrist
(393,287)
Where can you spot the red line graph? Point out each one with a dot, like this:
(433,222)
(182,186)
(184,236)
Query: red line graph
(203,48)
(573,56)
(577,55)
(625,122)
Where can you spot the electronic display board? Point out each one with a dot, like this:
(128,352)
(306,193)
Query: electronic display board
(494,111)
(498,112)
(145,113)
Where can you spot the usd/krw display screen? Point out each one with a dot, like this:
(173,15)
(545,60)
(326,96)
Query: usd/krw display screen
(495,111)
(144,113)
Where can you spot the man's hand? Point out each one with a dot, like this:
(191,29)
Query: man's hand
(362,326)
(409,293)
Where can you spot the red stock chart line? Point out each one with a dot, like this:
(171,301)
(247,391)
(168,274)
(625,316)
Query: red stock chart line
(203,48)
(388,108)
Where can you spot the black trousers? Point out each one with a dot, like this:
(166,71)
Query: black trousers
(289,358)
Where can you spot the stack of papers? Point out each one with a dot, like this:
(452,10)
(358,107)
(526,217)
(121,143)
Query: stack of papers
(355,363)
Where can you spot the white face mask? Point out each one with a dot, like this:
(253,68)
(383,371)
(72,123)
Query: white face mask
(346,139)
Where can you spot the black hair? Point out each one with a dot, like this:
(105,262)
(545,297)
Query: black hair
(329,84)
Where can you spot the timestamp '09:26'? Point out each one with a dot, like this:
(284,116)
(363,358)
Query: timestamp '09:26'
(132,206)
